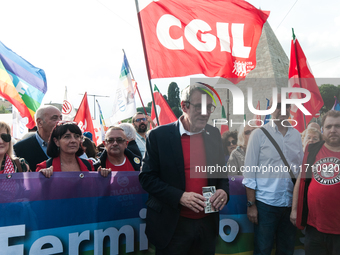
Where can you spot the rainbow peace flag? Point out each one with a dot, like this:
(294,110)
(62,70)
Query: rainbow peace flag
(21,83)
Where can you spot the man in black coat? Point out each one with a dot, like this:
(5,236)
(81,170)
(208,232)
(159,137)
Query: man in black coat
(116,156)
(33,149)
(176,221)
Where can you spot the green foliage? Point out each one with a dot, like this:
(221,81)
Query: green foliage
(129,120)
(173,95)
(149,104)
(328,91)
(177,111)
(3,109)
(141,109)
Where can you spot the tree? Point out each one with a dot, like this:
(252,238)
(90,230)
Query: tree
(173,99)
(328,91)
(141,109)
(173,95)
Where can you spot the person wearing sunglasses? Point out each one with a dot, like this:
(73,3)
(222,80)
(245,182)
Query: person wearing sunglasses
(9,164)
(64,149)
(116,156)
(236,159)
(140,121)
(34,148)
(229,141)
(176,221)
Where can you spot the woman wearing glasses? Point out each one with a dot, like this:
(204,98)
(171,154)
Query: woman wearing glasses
(237,156)
(9,164)
(229,142)
(64,148)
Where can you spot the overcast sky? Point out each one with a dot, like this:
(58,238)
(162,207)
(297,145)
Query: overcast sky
(79,43)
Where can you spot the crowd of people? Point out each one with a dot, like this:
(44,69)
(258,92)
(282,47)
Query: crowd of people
(57,145)
(283,190)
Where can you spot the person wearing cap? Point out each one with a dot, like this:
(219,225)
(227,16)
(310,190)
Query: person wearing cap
(116,156)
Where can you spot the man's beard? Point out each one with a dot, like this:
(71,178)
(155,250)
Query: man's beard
(142,128)
(332,142)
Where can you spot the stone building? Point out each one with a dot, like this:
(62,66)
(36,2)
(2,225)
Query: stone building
(271,71)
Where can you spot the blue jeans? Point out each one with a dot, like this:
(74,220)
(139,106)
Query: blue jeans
(273,226)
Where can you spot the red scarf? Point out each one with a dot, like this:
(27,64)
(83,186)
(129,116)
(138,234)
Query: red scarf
(9,168)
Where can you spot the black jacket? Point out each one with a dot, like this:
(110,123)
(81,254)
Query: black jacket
(163,177)
(30,150)
(133,158)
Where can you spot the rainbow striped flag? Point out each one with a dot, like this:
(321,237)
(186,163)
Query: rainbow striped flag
(21,83)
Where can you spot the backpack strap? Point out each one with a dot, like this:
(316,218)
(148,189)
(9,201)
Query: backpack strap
(87,164)
(281,154)
(49,162)
(17,163)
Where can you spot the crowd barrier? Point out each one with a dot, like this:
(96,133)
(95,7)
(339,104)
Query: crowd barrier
(84,213)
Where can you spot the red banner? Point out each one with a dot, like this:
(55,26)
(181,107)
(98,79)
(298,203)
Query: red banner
(214,38)
(300,76)
(84,119)
(164,112)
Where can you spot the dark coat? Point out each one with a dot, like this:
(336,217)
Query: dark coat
(163,177)
(132,146)
(31,151)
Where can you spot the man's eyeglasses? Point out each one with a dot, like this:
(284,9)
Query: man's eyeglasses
(6,137)
(198,107)
(234,142)
(112,140)
(140,119)
(279,106)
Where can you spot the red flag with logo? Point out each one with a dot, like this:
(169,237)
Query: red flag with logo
(214,38)
(301,76)
(164,112)
(84,119)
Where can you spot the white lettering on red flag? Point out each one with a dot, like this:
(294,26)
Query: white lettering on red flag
(214,38)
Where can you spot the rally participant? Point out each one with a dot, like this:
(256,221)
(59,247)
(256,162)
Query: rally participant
(64,149)
(8,163)
(317,191)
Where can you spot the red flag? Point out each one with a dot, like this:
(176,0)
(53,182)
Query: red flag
(164,112)
(224,128)
(214,38)
(84,119)
(257,118)
(300,76)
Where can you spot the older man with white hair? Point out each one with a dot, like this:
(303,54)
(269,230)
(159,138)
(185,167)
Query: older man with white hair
(130,134)
(34,148)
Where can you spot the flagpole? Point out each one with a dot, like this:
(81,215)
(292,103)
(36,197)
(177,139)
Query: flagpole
(136,83)
(298,70)
(146,58)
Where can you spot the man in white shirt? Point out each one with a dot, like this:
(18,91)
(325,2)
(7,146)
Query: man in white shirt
(269,185)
